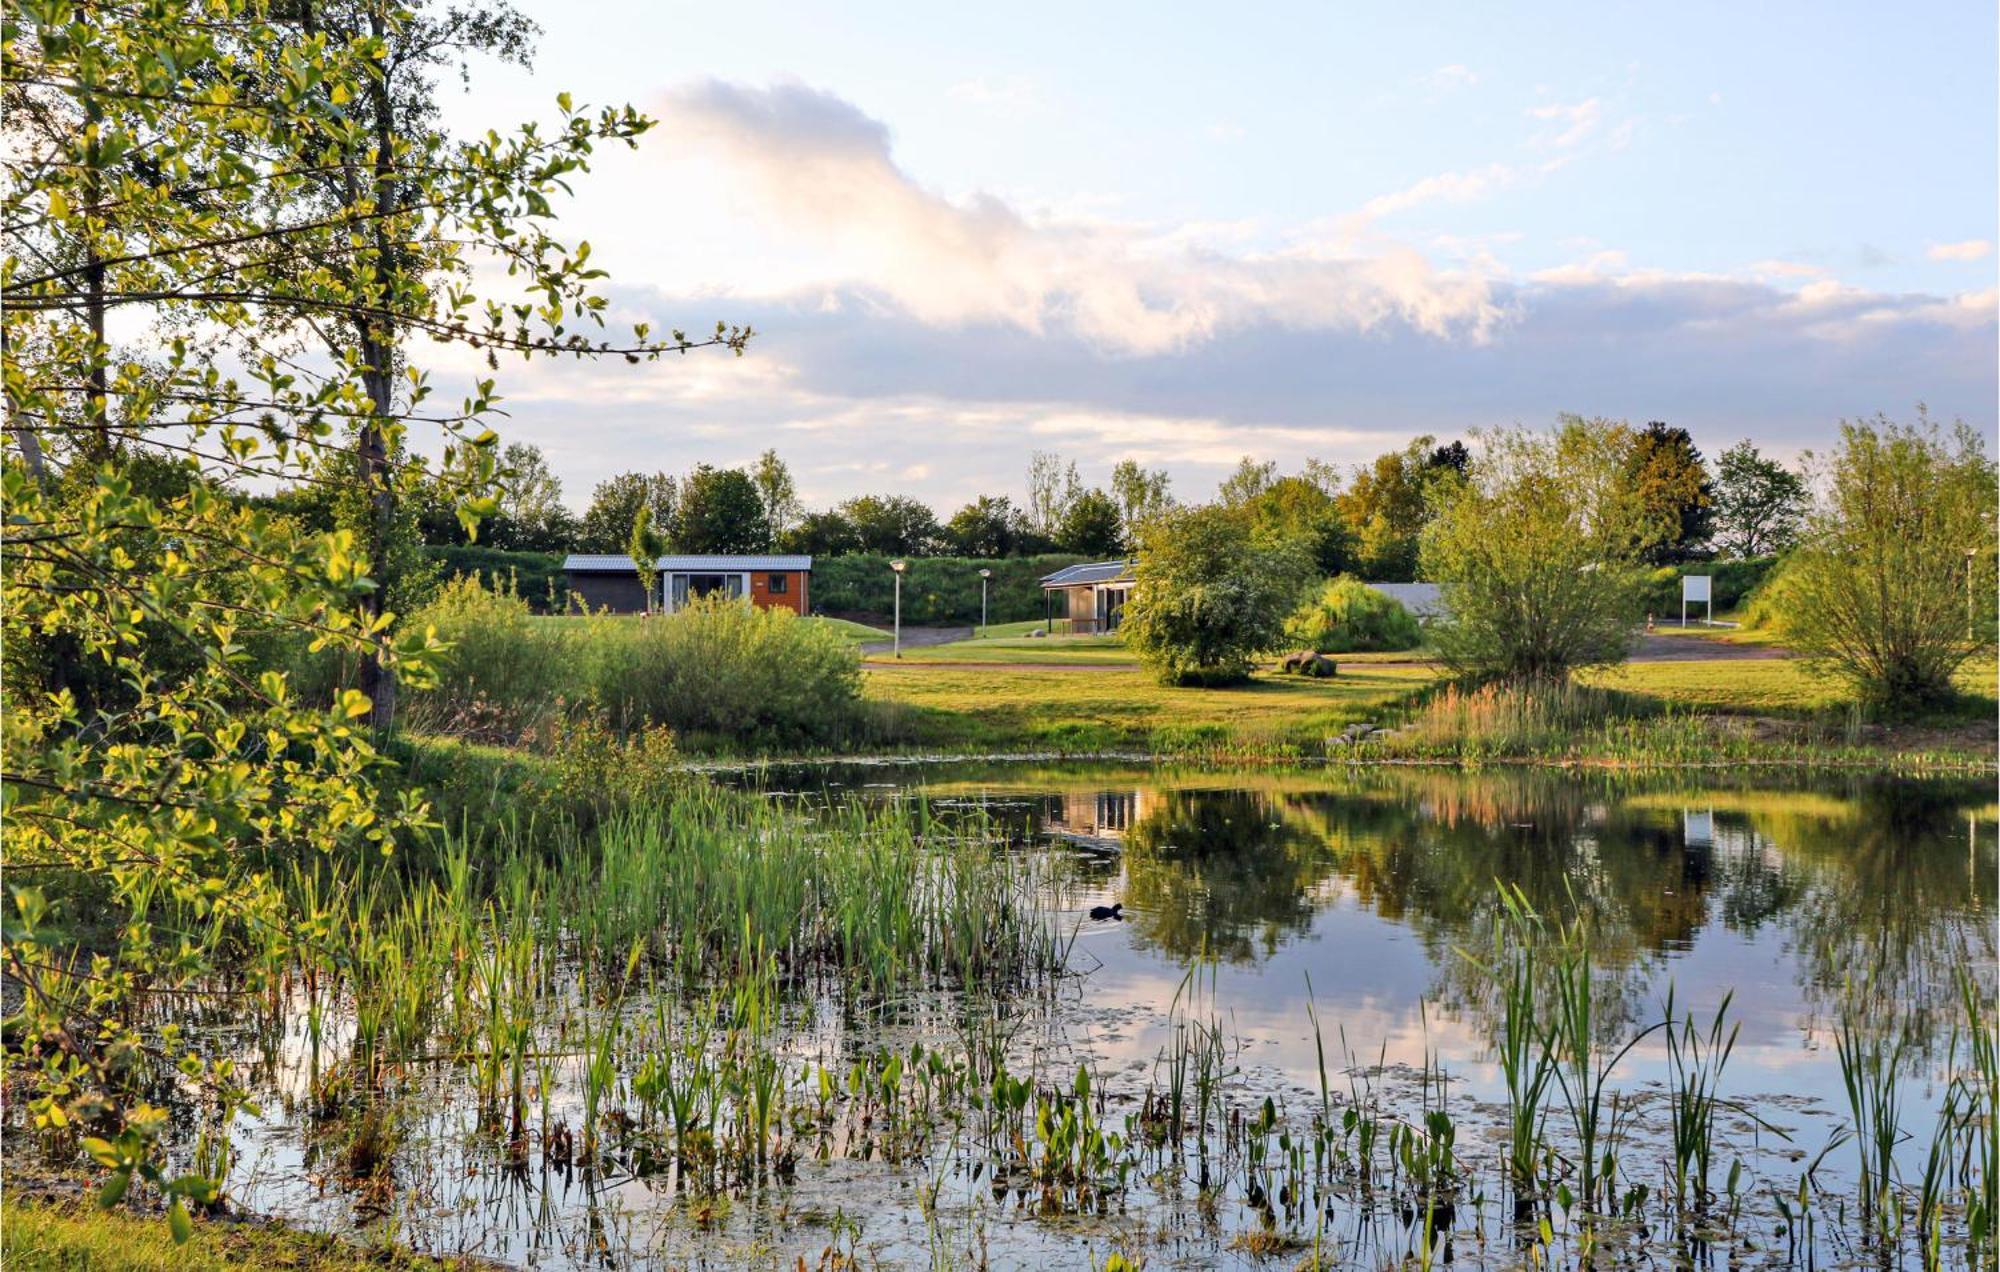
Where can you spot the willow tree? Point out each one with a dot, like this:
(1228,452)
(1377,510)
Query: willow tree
(231,227)
(1539,552)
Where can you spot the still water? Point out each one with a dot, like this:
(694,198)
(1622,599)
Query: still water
(1327,923)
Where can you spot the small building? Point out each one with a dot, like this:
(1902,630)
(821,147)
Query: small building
(608,581)
(1094,595)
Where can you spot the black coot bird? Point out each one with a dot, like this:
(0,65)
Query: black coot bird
(1102,912)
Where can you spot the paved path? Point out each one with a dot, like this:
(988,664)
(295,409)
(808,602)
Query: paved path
(1648,648)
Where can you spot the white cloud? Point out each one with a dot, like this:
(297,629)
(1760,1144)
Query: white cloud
(1571,123)
(820,175)
(1446,78)
(1013,97)
(1969,250)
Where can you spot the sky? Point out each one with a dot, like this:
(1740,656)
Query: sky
(1184,234)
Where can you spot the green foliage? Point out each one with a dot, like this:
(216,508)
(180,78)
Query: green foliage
(617,501)
(987,527)
(720,510)
(1347,616)
(272,209)
(891,524)
(1893,585)
(717,672)
(1760,505)
(1390,501)
(1670,479)
(1207,597)
(1092,526)
(536,576)
(1730,582)
(935,589)
(1301,510)
(1538,554)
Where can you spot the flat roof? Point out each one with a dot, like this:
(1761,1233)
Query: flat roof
(608,562)
(1087,573)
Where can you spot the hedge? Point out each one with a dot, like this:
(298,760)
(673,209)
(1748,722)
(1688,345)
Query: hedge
(1732,582)
(537,576)
(935,589)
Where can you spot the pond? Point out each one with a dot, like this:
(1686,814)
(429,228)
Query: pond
(1268,1024)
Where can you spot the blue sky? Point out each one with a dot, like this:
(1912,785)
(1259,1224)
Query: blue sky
(1182,234)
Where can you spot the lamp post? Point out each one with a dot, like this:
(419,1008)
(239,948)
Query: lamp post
(984,575)
(899,567)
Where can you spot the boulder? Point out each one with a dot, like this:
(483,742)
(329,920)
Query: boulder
(1308,663)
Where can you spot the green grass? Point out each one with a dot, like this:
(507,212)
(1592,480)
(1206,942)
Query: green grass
(1102,650)
(960,708)
(1774,686)
(859,633)
(856,632)
(74,1237)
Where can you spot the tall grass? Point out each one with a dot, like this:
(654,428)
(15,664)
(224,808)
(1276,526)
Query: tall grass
(718,672)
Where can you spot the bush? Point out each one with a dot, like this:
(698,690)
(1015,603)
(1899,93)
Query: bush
(1892,586)
(718,671)
(1537,554)
(1347,616)
(1207,598)
(935,589)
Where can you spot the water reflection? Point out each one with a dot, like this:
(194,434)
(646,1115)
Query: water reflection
(1869,893)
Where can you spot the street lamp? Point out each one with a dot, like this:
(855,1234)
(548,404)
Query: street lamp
(899,567)
(983,576)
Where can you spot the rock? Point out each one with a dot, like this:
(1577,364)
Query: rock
(1306,662)
(1037,632)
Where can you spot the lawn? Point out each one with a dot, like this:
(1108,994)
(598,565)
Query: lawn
(1020,649)
(856,632)
(963,708)
(1772,686)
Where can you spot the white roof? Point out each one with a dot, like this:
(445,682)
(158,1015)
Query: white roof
(589,562)
(1423,600)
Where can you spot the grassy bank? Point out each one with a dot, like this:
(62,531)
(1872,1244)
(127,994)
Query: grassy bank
(73,1236)
(1689,712)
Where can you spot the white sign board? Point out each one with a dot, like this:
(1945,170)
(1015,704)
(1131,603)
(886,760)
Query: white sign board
(1694,587)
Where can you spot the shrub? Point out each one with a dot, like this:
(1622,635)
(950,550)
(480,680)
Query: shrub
(504,671)
(1347,616)
(719,669)
(1537,554)
(1893,585)
(1207,598)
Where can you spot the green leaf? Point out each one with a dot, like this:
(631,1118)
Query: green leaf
(178,1222)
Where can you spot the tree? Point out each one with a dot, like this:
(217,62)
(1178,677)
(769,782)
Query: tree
(531,502)
(607,523)
(1388,503)
(1207,598)
(1539,553)
(1893,584)
(1671,478)
(1298,509)
(1051,486)
(1760,505)
(646,546)
(892,524)
(1248,481)
(986,527)
(1141,493)
(720,510)
(822,534)
(225,221)
(774,486)
(1092,525)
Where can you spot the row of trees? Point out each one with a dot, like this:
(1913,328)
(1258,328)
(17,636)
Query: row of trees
(1369,522)
(1544,541)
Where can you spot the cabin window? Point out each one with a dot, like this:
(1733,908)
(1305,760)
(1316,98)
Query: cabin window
(779,583)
